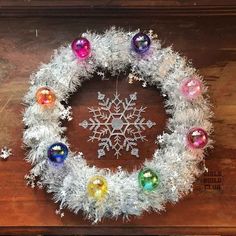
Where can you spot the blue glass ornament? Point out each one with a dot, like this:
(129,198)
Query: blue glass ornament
(57,153)
(141,43)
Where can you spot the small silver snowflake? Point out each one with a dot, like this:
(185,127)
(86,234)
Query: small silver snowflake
(101,74)
(144,84)
(60,213)
(117,124)
(66,114)
(160,139)
(79,156)
(31,180)
(5,153)
(39,184)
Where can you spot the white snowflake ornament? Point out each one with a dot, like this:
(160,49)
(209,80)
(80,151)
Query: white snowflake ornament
(66,114)
(117,124)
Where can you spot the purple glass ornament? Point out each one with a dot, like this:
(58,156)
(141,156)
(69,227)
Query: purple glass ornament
(81,48)
(197,138)
(141,43)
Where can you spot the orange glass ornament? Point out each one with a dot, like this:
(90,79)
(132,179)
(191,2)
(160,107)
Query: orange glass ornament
(45,97)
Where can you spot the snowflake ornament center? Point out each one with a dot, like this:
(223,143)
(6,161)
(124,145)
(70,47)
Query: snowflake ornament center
(117,124)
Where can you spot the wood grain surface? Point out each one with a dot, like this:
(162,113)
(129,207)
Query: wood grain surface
(116,8)
(210,44)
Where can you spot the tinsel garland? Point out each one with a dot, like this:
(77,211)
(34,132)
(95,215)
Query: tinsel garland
(176,165)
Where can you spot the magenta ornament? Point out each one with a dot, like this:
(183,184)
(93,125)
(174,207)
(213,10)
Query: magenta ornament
(197,138)
(81,48)
(191,88)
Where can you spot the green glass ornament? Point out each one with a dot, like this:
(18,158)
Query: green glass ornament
(148,179)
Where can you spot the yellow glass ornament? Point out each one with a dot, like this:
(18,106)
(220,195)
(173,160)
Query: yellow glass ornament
(97,188)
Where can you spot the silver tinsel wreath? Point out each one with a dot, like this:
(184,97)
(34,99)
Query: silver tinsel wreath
(177,165)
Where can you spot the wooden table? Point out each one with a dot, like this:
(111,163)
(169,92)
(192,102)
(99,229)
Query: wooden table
(209,41)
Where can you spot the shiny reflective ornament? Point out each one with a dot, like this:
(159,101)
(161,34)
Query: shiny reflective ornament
(191,88)
(148,179)
(197,138)
(81,48)
(57,153)
(97,188)
(45,97)
(141,43)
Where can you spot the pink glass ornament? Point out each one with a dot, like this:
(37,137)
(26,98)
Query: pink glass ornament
(197,138)
(191,88)
(81,48)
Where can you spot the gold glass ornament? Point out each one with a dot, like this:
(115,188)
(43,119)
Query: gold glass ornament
(97,188)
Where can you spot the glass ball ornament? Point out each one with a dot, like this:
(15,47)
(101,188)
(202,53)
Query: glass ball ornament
(45,97)
(141,43)
(197,138)
(57,153)
(191,88)
(97,188)
(81,48)
(148,180)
